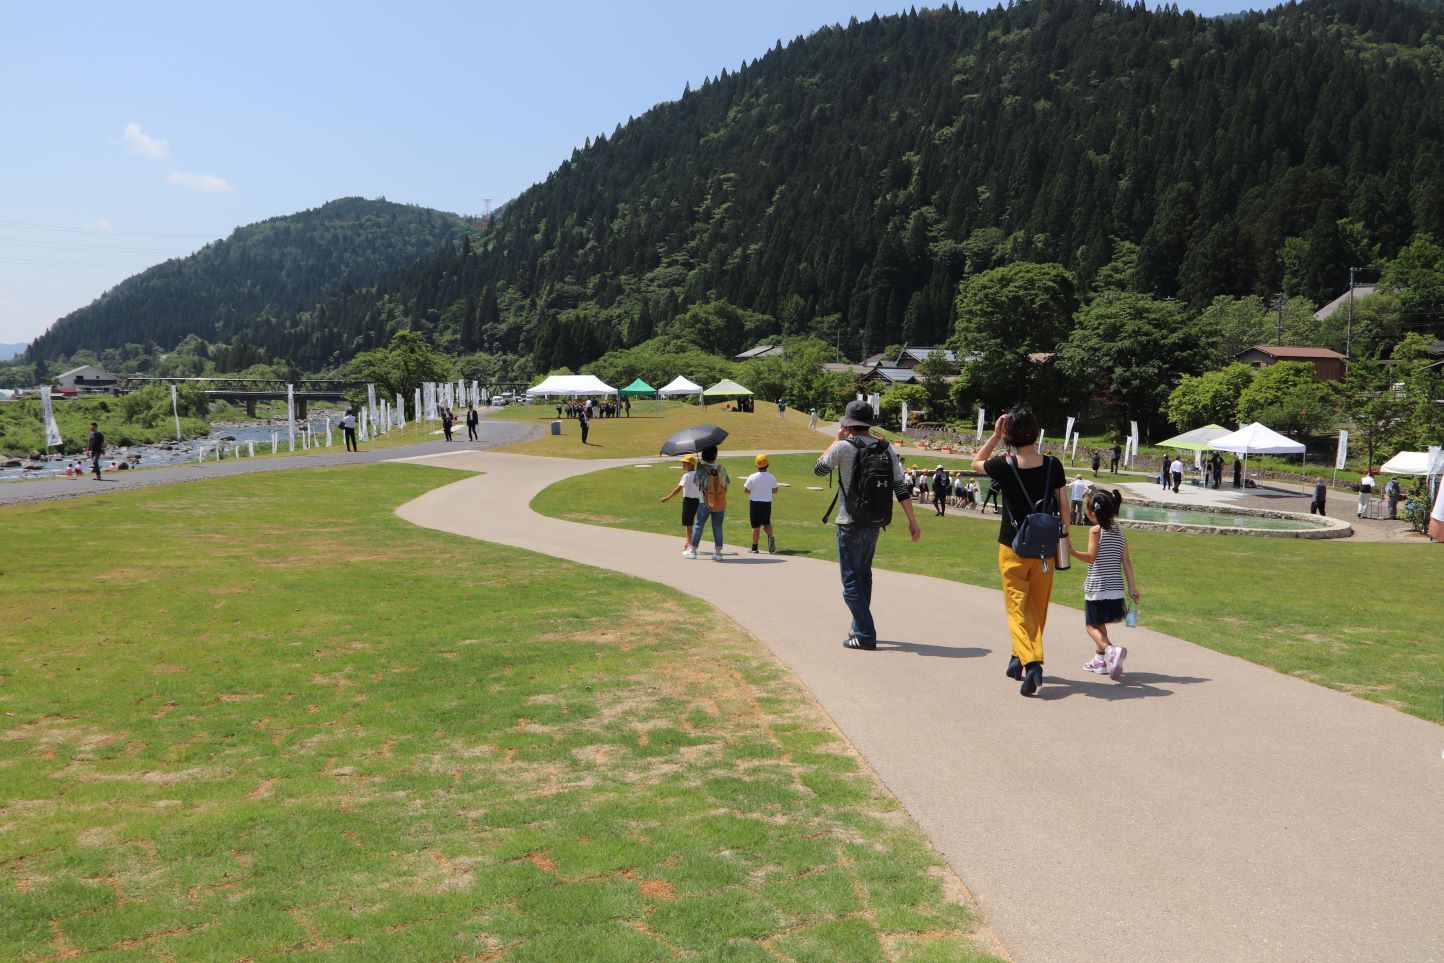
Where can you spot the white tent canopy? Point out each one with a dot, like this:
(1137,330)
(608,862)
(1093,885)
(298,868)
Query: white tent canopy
(1257,439)
(679,386)
(1407,463)
(726,388)
(571,386)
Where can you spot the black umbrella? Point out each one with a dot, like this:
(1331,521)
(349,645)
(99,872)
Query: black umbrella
(693,439)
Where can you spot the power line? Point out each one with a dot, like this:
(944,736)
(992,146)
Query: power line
(53,246)
(96,230)
(68,264)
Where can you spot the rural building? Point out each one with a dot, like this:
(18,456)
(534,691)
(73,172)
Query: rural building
(1341,303)
(910,357)
(761,351)
(87,377)
(1328,364)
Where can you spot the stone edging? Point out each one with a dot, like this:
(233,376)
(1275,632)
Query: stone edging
(1328,527)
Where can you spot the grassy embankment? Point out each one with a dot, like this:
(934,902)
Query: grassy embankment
(262,716)
(1350,615)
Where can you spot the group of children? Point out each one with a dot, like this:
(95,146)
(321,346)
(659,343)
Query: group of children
(960,489)
(1107,587)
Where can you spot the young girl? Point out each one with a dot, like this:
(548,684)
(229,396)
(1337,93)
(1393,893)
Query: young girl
(1108,565)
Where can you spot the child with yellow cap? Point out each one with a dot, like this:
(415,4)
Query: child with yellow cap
(760,486)
(691,496)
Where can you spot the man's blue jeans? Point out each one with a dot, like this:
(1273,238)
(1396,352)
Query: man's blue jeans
(855,549)
(702,514)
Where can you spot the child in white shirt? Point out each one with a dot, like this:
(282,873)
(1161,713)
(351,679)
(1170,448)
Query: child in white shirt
(760,486)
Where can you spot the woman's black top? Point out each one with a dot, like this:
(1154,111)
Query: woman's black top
(1041,482)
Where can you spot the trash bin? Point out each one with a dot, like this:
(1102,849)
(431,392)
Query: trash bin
(557,426)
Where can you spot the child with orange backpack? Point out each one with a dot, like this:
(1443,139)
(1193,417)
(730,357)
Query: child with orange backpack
(712,481)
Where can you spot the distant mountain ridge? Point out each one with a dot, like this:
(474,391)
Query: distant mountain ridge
(249,286)
(8,351)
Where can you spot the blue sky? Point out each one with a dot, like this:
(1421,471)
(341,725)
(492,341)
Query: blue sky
(133,132)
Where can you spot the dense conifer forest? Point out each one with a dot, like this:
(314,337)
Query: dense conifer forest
(848,184)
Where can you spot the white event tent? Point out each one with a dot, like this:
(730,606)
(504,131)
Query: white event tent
(570,386)
(679,386)
(1257,439)
(1407,463)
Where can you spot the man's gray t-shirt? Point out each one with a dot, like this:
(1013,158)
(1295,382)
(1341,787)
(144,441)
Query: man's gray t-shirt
(841,457)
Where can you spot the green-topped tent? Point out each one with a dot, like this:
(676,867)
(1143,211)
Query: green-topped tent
(726,389)
(638,389)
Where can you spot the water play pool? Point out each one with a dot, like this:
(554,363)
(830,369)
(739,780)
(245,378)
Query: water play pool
(1220,520)
(1202,516)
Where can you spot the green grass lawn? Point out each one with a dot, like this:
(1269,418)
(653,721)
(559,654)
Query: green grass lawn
(643,433)
(261,716)
(1359,617)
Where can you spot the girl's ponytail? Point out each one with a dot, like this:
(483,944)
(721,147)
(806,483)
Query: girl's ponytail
(1105,505)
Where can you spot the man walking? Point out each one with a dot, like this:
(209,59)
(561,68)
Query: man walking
(781,409)
(856,456)
(446,419)
(1176,470)
(348,428)
(1114,454)
(941,486)
(472,420)
(95,447)
(1077,491)
(1321,496)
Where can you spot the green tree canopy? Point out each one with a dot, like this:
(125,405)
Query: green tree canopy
(1288,398)
(1209,398)
(401,367)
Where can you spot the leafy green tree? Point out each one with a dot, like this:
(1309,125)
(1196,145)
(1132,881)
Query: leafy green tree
(720,327)
(1129,349)
(401,367)
(1289,398)
(1209,398)
(916,398)
(1423,387)
(1001,317)
(934,371)
(1365,396)
(1120,273)
(796,375)
(1416,277)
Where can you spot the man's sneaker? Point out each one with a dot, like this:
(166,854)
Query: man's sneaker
(1098,665)
(717,555)
(752,550)
(1115,661)
(689,553)
(771,545)
(853,642)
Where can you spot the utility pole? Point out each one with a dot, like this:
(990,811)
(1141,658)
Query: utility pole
(1349,330)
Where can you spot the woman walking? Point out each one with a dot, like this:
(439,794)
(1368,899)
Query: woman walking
(1025,479)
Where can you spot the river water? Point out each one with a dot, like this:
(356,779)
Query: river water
(224,437)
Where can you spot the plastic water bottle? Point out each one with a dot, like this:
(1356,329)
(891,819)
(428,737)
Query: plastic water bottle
(1131,619)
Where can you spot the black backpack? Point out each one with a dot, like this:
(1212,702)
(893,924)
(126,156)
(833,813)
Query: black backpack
(1039,531)
(868,493)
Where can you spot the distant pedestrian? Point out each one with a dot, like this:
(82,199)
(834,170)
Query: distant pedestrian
(627,405)
(95,447)
(1076,492)
(991,499)
(1176,471)
(446,419)
(1393,492)
(1217,469)
(1103,588)
(760,486)
(869,476)
(584,418)
(348,429)
(781,409)
(1114,454)
(1097,461)
(712,483)
(942,485)
(472,420)
(1366,492)
(691,498)
(1321,497)
(812,419)
(1031,483)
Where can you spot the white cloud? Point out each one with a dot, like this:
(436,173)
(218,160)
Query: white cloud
(101,224)
(198,182)
(152,147)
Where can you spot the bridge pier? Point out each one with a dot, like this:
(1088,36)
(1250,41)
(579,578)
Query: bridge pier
(300,407)
(250,407)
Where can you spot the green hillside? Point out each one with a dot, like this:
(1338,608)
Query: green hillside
(249,286)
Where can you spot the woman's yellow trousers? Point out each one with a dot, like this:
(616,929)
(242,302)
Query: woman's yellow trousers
(1027,584)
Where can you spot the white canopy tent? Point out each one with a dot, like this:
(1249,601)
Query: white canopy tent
(679,386)
(1196,440)
(1407,463)
(1257,439)
(570,386)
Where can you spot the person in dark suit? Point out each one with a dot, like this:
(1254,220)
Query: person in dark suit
(446,419)
(472,420)
(95,447)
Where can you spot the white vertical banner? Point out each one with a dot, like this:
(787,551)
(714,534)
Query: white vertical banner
(1068,432)
(291,415)
(475,393)
(1041,435)
(365,434)
(1075,447)
(175,410)
(250,449)
(460,393)
(400,411)
(1134,436)
(416,407)
(371,401)
(328,431)
(273,442)
(905,417)
(47,411)
(1342,455)
(875,400)
(981,416)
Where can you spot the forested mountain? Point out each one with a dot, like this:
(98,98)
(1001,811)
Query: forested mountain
(845,184)
(248,287)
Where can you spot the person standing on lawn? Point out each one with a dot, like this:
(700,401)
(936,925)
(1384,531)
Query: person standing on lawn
(584,418)
(861,518)
(691,498)
(95,448)
(760,486)
(1025,478)
(942,486)
(348,428)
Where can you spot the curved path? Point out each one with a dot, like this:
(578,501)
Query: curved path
(1204,809)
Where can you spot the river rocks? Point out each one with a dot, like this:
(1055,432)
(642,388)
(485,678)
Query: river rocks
(9,462)
(31,465)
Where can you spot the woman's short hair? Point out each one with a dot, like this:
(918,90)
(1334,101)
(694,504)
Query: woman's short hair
(1023,427)
(709,453)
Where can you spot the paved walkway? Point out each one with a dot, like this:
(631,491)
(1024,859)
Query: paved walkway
(1205,809)
(492,433)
